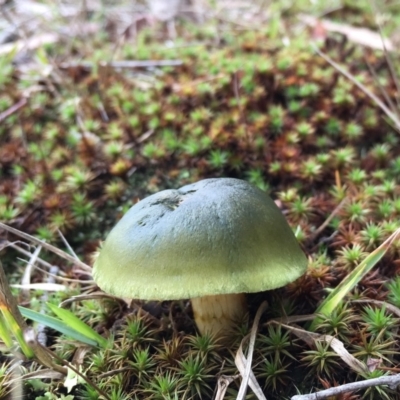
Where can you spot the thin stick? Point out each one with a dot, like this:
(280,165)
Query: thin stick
(126,64)
(329,219)
(222,385)
(47,265)
(90,296)
(392,381)
(13,109)
(41,335)
(26,278)
(380,86)
(67,245)
(47,246)
(83,376)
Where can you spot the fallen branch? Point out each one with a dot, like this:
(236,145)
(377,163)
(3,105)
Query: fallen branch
(392,381)
(128,64)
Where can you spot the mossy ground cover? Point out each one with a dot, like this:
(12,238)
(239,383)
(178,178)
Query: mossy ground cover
(93,139)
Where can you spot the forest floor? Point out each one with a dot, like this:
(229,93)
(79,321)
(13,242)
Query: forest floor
(101,106)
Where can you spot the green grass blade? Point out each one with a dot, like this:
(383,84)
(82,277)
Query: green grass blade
(13,326)
(56,324)
(74,322)
(5,333)
(351,280)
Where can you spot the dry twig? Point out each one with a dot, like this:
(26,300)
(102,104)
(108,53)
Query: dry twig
(392,381)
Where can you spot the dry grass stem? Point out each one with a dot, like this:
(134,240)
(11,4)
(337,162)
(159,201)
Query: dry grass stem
(391,381)
(47,246)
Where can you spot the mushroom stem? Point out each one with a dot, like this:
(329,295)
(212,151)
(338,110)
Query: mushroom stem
(219,314)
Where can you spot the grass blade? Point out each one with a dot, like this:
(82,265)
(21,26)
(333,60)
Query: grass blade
(5,333)
(74,322)
(56,324)
(351,280)
(46,246)
(13,326)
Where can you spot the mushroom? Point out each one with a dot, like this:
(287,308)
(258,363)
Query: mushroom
(211,241)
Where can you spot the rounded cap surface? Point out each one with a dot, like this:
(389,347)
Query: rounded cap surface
(215,236)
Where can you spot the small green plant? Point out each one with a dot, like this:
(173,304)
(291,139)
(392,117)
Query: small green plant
(153,151)
(136,331)
(377,322)
(78,179)
(118,393)
(352,132)
(322,361)
(301,208)
(194,376)
(276,343)
(356,211)
(45,233)
(350,256)
(344,156)
(389,187)
(394,291)
(8,213)
(114,149)
(28,194)
(61,220)
(338,323)
(305,129)
(142,362)
(275,373)
(83,210)
(371,236)
(385,209)
(5,380)
(333,127)
(87,392)
(276,114)
(311,169)
(309,90)
(381,152)
(374,347)
(205,346)
(256,177)
(115,189)
(218,158)
(163,386)
(356,176)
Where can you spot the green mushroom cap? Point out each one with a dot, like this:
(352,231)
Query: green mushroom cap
(215,236)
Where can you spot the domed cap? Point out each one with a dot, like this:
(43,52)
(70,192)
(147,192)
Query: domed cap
(215,236)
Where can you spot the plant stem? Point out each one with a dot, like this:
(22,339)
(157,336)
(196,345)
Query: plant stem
(392,381)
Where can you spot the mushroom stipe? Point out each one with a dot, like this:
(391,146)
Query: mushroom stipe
(219,236)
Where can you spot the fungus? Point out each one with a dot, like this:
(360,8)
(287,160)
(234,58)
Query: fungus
(211,241)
